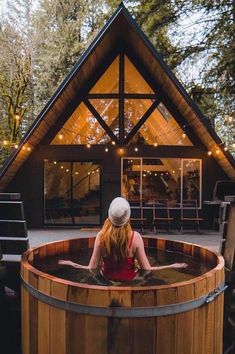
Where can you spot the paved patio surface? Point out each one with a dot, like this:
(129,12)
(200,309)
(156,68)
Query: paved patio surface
(207,238)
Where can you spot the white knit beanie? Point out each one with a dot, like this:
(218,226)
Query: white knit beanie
(119,211)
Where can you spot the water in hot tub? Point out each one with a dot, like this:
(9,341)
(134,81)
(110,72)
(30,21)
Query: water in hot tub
(194,269)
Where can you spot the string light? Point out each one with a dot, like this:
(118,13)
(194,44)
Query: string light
(113,143)
(17,117)
(106,149)
(16,146)
(60,136)
(88,145)
(136,149)
(209,153)
(155,144)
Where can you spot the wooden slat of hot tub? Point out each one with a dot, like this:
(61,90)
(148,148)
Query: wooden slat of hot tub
(219,276)
(185,321)
(210,316)
(58,320)
(44,285)
(143,326)
(99,326)
(77,332)
(25,312)
(119,328)
(200,288)
(166,331)
(33,318)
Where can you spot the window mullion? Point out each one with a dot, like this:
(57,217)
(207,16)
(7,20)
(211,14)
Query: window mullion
(121,98)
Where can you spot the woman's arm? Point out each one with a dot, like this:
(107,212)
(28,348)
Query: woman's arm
(143,260)
(94,261)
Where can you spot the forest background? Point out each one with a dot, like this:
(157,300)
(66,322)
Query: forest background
(41,40)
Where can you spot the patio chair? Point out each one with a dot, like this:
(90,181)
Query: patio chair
(162,215)
(137,215)
(189,215)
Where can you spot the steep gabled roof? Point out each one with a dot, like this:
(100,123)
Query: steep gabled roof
(120,30)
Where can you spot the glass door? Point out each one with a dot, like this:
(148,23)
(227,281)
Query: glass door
(71,193)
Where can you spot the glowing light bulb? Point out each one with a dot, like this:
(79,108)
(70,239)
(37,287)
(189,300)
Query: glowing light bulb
(183,135)
(106,149)
(88,145)
(5,142)
(209,153)
(155,144)
(136,149)
(60,136)
(113,143)
(16,146)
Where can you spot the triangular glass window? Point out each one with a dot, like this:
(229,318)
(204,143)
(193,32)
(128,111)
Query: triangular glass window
(134,110)
(134,81)
(81,128)
(109,81)
(162,129)
(108,109)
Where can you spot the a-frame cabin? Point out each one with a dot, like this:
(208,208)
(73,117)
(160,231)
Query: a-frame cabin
(119,124)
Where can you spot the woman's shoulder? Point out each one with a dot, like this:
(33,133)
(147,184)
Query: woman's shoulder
(137,237)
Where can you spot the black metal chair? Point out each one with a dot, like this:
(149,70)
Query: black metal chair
(162,215)
(189,215)
(137,215)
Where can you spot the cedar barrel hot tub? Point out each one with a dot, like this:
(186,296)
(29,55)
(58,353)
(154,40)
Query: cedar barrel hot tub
(64,317)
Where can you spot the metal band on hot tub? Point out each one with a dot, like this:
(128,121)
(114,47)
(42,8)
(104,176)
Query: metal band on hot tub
(124,312)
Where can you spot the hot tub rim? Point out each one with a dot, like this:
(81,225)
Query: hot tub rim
(25,263)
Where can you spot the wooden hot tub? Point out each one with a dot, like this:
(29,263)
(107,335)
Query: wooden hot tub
(64,317)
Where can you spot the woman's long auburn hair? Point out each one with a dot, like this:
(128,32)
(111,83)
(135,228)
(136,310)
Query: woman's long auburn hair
(115,239)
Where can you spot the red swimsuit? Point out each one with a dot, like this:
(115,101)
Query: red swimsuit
(123,271)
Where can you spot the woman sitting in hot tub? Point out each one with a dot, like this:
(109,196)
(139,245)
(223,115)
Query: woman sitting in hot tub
(119,247)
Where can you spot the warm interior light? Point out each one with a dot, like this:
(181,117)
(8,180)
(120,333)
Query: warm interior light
(28,148)
(209,153)
(217,151)
(183,135)
(60,136)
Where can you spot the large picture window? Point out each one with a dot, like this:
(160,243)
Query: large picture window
(152,179)
(71,193)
